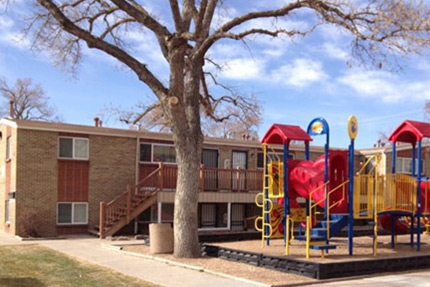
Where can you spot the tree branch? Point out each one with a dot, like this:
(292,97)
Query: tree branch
(95,42)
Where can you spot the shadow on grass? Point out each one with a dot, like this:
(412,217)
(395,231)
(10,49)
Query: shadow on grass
(20,282)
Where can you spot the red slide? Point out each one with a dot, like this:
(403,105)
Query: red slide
(385,222)
(306,176)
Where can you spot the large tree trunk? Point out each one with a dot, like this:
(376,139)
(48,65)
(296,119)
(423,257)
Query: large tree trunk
(186,199)
(188,138)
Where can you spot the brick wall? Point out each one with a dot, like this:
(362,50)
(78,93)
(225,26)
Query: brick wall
(112,167)
(36,185)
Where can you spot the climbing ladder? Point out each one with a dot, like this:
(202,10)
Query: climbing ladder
(273,188)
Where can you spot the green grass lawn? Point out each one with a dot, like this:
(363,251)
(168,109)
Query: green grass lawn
(36,266)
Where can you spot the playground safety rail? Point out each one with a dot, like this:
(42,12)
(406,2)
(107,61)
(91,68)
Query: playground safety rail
(364,188)
(344,188)
(395,192)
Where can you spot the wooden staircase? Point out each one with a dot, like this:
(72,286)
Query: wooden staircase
(117,213)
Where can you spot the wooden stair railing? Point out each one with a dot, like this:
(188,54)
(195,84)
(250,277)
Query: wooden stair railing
(117,213)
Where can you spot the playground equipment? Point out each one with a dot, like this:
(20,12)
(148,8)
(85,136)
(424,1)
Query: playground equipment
(329,184)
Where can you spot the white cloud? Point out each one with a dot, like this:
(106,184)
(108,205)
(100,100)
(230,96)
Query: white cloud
(335,51)
(15,39)
(228,49)
(301,73)
(5,22)
(243,69)
(385,86)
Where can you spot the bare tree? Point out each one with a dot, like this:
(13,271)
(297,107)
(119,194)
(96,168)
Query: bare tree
(29,101)
(382,139)
(240,120)
(382,29)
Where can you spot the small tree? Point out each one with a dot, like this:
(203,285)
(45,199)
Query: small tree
(381,29)
(29,101)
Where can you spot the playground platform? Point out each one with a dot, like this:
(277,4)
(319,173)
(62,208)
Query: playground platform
(336,264)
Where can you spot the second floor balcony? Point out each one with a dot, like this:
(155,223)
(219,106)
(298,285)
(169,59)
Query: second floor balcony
(211,179)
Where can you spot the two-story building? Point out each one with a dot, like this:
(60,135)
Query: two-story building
(60,178)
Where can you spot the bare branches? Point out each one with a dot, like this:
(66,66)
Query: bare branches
(29,102)
(174,6)
(237,21)
(139,13)
(66,24)
(382,29)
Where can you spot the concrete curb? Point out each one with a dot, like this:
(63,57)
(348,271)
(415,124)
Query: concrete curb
(188,266)
(38,238)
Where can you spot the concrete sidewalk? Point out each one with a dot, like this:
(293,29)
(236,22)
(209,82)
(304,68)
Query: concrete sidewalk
(91,250)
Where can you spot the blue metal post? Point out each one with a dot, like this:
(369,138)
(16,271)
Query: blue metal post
(412,231)
(393,165)
(393,230)
(420,168)
(326,149)
(351,197)
(266,196)
(286,198)
(307,151)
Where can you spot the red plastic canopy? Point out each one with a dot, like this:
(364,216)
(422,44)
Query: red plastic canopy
(279,134)
(410,132)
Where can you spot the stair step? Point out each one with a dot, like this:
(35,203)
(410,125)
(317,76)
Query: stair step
(313,238)
(332,222)
(319,231)
(323,247)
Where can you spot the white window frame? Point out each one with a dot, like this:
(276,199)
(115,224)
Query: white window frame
(218,228)
(152,153)
(8,148)
(73,213)
(7,211)
(402,163)
(73,148)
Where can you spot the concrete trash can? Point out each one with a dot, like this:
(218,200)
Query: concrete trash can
(160,238)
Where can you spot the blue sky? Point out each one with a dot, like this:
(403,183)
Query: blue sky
(296,81)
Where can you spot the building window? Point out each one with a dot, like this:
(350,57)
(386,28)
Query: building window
(72,213)
(73,148)
(164,154)
(146,152)
(157,153)
(213,215)
(260,158)
(9,148)
(7,211)
(167,212)
(404,165)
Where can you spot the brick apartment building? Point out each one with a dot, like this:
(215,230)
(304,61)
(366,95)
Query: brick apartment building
(60,178)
